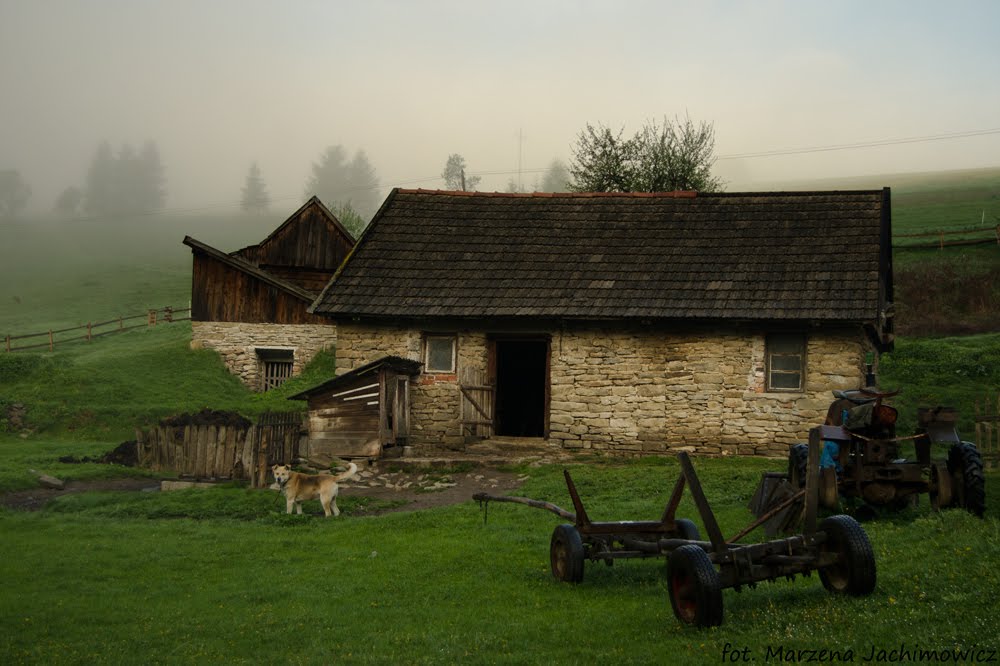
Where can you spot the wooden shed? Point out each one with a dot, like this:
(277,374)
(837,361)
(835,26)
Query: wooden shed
(252,305)
(362,412)
(274,281)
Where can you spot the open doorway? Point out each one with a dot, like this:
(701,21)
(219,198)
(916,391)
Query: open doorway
(522,380)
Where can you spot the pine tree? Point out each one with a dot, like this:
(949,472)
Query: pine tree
(255,197)
(338,182)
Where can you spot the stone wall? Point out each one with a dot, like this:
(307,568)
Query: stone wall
(640,390)
(434,398)
(238,342)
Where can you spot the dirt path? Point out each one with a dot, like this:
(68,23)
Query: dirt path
(414,489)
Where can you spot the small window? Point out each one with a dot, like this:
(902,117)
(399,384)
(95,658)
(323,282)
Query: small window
(440,353)
(275,367)
(786,353)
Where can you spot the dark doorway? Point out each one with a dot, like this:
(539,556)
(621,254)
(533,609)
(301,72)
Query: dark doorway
(521,384)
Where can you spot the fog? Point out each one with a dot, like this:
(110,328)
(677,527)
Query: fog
(224,84)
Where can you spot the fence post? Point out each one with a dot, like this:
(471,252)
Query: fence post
(152,318)
(168,314)
(88,331)
(8,342)
(52,343)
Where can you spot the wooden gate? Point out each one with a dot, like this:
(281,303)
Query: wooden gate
(277,437)
(476,404)
(988,430)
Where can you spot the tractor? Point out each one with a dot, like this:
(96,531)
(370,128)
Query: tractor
(861,463)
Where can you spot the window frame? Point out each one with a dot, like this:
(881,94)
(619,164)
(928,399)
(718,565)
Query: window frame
(452,339)
(772,340)
(272,357)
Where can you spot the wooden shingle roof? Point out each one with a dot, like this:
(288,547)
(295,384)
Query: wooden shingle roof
(746,256)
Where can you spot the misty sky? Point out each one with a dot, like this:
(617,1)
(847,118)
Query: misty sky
(219,84)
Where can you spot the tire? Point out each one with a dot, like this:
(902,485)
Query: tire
(965,464)
(854,571)
(694,587)
(798,459)
(566,554)
(687,530)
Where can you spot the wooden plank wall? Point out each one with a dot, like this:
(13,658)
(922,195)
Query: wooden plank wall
(221,452)
(310,241)
(346,422)
(221,293)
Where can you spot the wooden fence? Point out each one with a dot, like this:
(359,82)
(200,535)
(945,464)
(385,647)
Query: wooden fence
(971,236)
(96,330)
(223,452)
(987,421)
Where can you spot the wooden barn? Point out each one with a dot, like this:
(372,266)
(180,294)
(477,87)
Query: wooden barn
(362,413)
(251,305)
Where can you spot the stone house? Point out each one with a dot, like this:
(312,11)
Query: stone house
(629,323)
(251,305)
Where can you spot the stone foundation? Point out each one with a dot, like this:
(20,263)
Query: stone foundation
(641,390)
(237,344)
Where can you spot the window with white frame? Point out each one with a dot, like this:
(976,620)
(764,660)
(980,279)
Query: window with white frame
(439,353)
(786,361)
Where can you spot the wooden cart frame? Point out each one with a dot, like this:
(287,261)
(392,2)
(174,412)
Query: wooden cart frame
(698,570)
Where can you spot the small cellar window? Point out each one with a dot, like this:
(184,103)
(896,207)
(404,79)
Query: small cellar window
(275,367)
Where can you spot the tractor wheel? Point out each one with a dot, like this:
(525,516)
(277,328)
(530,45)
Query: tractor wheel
(798,459)
(968,483)
(566,554)
(687,530)
(854,571)
(941,493)
(694,587)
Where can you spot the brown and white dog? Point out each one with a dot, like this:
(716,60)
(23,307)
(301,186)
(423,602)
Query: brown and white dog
(299,487)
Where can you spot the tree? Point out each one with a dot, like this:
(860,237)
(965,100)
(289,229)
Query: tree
(338,182)
(556,178)
(151,193)
(255,197)
(125,184)
(70,202)
(350,218)
(14,192)
(455,177)
(99,191)
(677,155)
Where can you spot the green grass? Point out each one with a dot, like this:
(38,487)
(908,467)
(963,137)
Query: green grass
(106,388)
(225,576)
(62,273)
(931,372)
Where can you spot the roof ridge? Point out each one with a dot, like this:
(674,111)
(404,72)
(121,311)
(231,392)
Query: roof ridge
(676,194)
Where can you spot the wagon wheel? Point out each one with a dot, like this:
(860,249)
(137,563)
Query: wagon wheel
(687,530)
(694,587)
(969,485)
(853,572)
(798,459)
(566,554)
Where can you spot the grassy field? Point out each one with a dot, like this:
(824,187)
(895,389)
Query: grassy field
(223,576)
